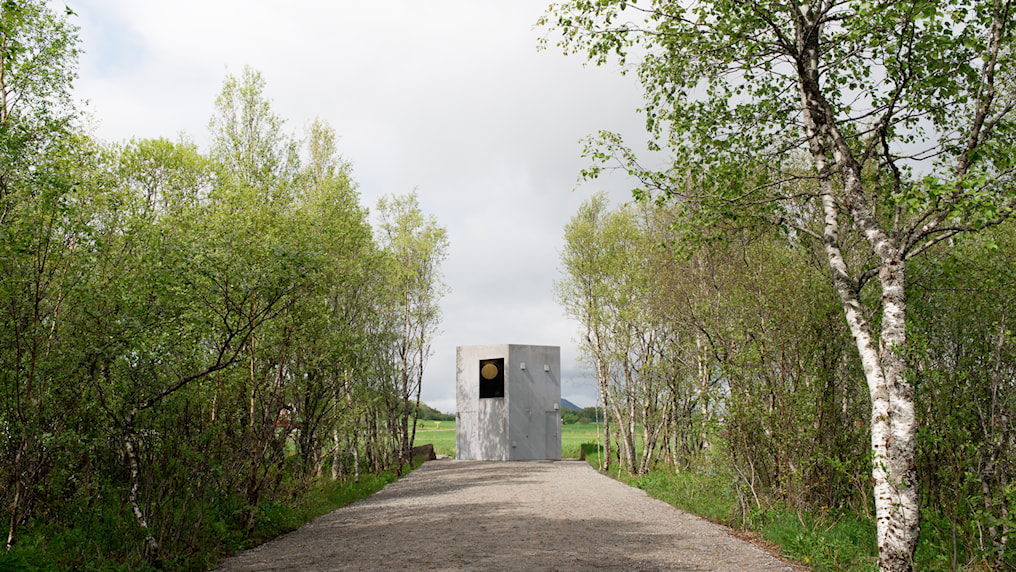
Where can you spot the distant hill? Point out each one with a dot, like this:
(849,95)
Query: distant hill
(428,413)
(568,405)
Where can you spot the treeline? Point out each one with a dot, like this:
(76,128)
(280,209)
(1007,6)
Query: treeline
(734,355)
(428,413)
(188,339)
(584,415)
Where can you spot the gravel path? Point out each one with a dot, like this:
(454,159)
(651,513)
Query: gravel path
(472,515)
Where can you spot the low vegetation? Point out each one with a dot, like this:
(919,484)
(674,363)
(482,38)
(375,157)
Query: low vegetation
(824,539)
(102,538)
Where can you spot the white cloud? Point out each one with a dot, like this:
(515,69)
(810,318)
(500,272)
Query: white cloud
(447,96)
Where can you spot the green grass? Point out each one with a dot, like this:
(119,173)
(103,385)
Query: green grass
(706,492)
(825,541)
(574,435)
(106,539)
(442,435)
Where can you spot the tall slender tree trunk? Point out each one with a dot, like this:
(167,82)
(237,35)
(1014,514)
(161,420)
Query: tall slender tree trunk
(603,380)
(19,487)
(893,415)
(151,545)
(702,361)
(628,423)
(996,428)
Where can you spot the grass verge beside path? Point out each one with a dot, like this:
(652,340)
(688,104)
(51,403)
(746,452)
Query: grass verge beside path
(829,541)
(222,533)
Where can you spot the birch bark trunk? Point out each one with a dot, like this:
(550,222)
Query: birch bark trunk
(702,363)
(629,426)
(893,416)
(893,419)
(151,549)
(603,380)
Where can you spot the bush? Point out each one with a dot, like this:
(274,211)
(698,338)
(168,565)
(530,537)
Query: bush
(106,538)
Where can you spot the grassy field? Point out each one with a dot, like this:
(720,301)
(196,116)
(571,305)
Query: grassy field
(574,435)
(442,435)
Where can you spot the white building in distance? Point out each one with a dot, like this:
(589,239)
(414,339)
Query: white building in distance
(508,402)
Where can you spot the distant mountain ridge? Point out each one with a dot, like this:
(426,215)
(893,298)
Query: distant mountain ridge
(568,405)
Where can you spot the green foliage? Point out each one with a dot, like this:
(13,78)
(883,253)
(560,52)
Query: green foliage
(103,538)
(962,361)
(788,459)
(427,413)
(414,246)
(877,129)
(189,342)
(615,287)
(586,415)
(248,140)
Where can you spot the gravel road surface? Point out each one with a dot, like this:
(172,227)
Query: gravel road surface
(541,515)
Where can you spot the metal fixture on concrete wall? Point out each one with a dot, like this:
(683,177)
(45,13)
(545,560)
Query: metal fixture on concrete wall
(504,411)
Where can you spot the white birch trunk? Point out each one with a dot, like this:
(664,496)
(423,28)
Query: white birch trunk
(356,458)
(336,451)
(703,390)
(603,380)
(893,424)
(151,546)
(893,418)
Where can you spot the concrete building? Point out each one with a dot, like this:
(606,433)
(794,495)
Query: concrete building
(508,402)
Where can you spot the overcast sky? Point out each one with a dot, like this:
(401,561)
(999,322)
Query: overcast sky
(449,97)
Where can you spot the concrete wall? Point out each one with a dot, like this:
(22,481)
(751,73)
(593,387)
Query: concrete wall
(525,424)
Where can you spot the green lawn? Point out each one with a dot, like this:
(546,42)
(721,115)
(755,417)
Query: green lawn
(442,435)
(574,435)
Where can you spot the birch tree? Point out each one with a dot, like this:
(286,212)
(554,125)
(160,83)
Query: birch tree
(329,368)
(416,246)
(581,294)
(259,166)
(609,287)
(44,214)
(902,114)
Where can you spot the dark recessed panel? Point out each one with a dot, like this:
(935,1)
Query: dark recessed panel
(491,378)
